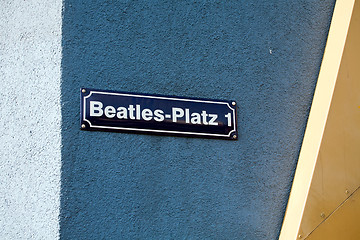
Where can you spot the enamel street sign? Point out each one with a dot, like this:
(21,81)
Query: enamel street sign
(133,112)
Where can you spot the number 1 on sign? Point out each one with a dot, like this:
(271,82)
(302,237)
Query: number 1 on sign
(228,116)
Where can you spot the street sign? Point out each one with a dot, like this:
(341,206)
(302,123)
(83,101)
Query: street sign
(134,112)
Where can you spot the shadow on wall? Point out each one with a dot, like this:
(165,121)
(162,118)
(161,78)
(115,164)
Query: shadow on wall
(264,55)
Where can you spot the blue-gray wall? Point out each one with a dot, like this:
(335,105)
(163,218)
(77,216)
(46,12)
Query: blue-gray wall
(265,55)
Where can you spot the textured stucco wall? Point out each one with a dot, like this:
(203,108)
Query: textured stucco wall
(30,151)
(264,54)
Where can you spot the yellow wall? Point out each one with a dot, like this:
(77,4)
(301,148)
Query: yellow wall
(328,171)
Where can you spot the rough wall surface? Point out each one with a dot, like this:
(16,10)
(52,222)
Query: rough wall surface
(30,119)
(264,54)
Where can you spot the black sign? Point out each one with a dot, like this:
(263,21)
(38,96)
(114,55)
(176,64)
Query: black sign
(133,112)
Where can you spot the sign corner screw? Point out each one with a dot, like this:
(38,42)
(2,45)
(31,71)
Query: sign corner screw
(233,103)
(83,126)
(234,136)
(83,90)
(300,236)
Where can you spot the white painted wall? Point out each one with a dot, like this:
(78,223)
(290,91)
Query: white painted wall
(30,119)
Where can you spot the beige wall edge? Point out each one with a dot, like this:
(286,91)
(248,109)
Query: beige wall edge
(317,119)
